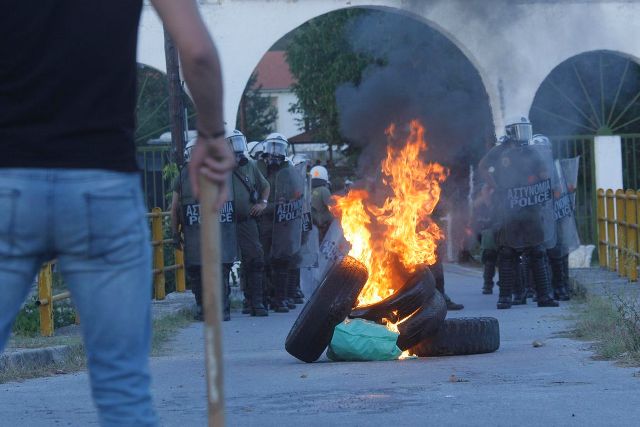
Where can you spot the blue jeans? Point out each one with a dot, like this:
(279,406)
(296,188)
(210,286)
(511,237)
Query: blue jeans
(93,223)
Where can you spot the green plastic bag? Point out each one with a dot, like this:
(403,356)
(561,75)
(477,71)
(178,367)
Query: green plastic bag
(361,340)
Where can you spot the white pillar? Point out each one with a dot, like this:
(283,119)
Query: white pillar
(607,153)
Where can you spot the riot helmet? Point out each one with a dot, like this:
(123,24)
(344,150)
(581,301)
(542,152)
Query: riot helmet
(296,159)
(275,149)
(518,130)
(540,140)
(188,148)
(255,149)
(320,172)
(238,144)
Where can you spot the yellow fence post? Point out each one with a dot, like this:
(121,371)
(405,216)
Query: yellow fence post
(180,273)
(602,229)
(621,227)
(632,229)
(611,231)
(45,281)
(158,254)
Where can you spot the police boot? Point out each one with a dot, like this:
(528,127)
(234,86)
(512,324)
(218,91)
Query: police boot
(541,278)
(246,304)
(489,261)
(226,304)
(280,282)
(257,307)
(293,288)
(487,288)
(559,291)
(452,306)
(519,295)
(507,277)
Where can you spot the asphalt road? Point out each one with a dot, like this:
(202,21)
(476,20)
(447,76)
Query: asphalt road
(558,383)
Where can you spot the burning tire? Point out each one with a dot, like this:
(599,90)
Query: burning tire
(406,300)
(424,323)
(465,335)
(329,305)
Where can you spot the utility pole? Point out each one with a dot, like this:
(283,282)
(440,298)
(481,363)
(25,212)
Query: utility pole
(177,119)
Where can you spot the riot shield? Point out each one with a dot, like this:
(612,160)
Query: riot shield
(228,235)
(526,183)
(332,250)
(564,205)
(308,256)
(287,218)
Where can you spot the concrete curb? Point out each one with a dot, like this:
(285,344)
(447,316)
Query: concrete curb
(34,358)
(601,282)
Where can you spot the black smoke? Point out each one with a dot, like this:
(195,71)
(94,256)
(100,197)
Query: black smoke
(423,76)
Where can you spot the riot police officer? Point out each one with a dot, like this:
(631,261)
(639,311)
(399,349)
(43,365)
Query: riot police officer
(250,195)
(566,171)
(523,196)
(320,199)
(281,222)
(185,216)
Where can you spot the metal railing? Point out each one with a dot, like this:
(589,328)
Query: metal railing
(159,269)
(46,299)
(618,232)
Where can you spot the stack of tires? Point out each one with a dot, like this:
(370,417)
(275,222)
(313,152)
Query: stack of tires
(417,304)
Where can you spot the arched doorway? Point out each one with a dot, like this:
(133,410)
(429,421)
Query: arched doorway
(410,70)
(591,94)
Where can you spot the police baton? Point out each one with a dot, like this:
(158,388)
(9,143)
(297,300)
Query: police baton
(212,300)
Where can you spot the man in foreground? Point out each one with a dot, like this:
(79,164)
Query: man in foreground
(69,184)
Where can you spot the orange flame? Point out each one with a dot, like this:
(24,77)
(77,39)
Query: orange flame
(393,239)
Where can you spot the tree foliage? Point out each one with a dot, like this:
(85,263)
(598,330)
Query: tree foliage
(256,115)
(321,59)
(152,105)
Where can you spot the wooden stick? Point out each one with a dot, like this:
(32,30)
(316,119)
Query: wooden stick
(212,300)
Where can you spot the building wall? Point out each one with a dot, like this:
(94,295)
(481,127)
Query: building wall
(513,44)
(286,123)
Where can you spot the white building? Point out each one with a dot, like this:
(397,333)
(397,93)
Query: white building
(275,80)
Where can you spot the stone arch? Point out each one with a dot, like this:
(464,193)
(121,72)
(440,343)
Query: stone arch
(244,75)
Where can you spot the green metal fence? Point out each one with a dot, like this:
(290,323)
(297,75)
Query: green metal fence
(152,160)
(581,145)
(630,161)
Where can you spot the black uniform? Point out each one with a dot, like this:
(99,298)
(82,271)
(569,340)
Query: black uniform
(190,220)
(523,200)
(248,179)
(281,229)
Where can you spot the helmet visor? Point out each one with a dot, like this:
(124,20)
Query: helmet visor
(238,143)
(275,147)
(521,132)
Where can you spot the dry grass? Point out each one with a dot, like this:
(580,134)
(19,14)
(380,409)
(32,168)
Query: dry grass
(73,362)
(163,330)
(612,323)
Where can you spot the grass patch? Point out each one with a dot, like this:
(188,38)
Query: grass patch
(18,341)
(163,330)
(612,323)
(74,361)
(166,327)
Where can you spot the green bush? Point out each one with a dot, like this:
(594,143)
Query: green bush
(28,320)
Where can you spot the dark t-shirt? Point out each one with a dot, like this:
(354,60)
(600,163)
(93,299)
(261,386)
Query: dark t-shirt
(68,83)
